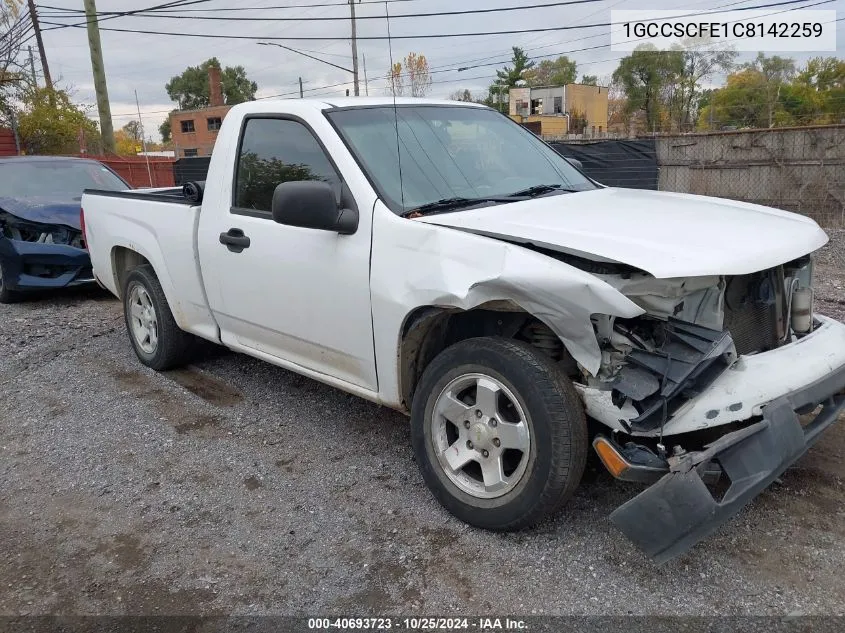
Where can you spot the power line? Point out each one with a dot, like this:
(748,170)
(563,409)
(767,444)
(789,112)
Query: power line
(436,70)
(402,37)
(424,36)
(287,6)
(374,17)
(120,14)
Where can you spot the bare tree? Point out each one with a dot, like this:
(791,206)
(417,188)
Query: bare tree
(462,95)
(395,80)
(412,74)
(14,29)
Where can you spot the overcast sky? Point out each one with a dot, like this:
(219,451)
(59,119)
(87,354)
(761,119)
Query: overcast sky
(146,62)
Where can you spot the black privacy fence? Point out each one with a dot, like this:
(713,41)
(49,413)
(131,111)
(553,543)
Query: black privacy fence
(616,163)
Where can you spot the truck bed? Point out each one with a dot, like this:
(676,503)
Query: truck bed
(151,223)
(171,194)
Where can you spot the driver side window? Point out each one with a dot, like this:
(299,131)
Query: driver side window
(274,151)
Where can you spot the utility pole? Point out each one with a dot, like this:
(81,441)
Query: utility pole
(366,81)
(143,139)
(37,28)
(300,87)
(354,48)
(106,129)
(32,68)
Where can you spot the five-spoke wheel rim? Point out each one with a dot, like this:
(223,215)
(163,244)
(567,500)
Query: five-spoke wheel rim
(142,316)
(481,436)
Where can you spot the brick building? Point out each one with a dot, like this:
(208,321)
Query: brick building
(194,132)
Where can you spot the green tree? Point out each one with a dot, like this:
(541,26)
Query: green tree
(817,94)
(507,78)
(559,72)
(50,123)
(647,77)
(741,102)
(590,80)
(760,94)
(164,129)
(133,130)
(685,93)
(775,72)
(191,90)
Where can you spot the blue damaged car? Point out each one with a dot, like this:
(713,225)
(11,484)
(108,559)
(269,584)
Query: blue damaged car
(41,244)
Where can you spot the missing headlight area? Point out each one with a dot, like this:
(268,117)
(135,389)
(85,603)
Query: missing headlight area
(657,365)
(22,230)
(693,331)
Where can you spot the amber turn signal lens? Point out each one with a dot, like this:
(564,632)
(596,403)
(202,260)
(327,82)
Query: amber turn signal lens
(612,460)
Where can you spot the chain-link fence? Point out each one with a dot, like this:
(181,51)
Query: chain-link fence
(796,169)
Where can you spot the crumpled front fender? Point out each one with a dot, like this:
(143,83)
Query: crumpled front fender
(416,264)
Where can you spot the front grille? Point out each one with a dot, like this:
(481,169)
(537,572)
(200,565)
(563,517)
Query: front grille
(752,308)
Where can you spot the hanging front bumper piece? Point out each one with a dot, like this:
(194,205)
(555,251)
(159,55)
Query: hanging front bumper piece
(679,510)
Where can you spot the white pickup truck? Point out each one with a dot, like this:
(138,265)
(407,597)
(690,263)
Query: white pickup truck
(440,259)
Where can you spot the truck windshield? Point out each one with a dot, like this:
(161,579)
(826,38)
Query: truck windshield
(449,152)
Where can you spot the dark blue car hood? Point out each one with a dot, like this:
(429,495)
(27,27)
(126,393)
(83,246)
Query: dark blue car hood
(46,210)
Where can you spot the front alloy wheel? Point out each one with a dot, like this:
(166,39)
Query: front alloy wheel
(499,433)
(483,447)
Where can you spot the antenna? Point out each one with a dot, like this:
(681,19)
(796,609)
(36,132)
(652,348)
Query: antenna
(395,111)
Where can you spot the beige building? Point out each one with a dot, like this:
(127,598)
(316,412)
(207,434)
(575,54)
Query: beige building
(560,110)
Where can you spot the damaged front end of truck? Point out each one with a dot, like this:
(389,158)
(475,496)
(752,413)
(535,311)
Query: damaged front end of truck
(703,394)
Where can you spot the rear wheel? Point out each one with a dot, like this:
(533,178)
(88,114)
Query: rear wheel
(7,295)
(158,341)
(499,433)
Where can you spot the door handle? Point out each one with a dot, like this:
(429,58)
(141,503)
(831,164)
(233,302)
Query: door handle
(234,240)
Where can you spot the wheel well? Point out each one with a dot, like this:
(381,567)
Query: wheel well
(123,260)
(430,330)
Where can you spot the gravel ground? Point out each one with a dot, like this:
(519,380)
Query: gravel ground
(236,487)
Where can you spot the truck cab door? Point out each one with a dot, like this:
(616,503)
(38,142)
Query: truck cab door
(296,295)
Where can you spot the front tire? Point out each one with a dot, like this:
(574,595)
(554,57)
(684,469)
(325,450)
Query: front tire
(7,295)
(158,341)
(499,433)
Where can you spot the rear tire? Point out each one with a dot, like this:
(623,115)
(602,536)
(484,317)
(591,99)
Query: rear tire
(499,433)
(157,340)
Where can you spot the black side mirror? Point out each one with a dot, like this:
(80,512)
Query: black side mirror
(575,163)
(311,204)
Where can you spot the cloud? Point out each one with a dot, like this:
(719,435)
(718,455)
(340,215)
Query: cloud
(146,62)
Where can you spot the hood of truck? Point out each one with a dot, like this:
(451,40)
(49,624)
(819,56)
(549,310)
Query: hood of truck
(664,234)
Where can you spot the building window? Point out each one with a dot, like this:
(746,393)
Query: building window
(190,153)
(536,106)
(188,126)
(214,123)
(274,151)
(558,105)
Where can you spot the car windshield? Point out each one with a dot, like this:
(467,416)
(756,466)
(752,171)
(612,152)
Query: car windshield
(55,178)
(448,152)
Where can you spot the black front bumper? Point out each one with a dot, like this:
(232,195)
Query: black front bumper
(674,514)
(25,265)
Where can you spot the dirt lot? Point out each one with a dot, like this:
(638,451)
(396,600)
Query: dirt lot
(236,487)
